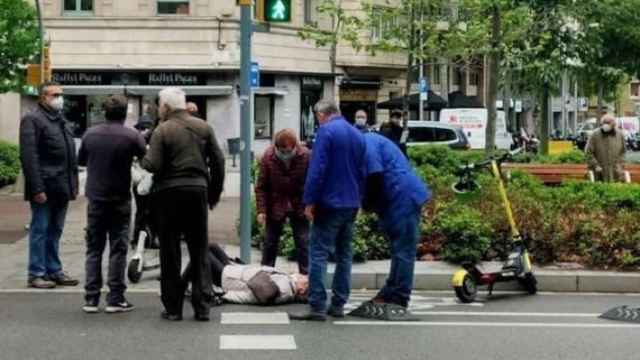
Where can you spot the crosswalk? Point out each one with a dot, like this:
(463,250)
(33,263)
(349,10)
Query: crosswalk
(287,341)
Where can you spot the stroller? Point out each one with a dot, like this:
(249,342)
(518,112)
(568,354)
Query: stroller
(144,235)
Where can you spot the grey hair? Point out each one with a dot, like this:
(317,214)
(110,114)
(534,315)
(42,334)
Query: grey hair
(174,98)
(608,118)
(326,106)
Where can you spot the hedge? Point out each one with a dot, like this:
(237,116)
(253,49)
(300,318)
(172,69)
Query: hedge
(9,163)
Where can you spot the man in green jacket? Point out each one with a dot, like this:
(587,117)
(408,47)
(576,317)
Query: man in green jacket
(605,151)
(188,169)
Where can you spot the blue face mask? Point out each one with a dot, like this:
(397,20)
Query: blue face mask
(285,156)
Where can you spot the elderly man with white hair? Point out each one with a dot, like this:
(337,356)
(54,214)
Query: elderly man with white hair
(188,168)
(605,151)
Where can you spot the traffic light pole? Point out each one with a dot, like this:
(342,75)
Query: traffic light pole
(245,129)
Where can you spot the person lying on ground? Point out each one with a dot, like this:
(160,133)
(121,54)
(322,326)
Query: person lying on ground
(253,284)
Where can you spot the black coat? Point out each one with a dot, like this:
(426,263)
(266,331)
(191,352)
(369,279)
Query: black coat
(393,132)
(48,155)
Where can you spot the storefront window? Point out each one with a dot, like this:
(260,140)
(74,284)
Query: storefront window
(312,91)
(263,116)
(173,7)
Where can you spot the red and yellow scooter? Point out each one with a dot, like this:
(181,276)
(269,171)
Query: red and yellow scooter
(517,267)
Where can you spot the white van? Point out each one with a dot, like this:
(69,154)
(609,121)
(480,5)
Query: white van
(474,123)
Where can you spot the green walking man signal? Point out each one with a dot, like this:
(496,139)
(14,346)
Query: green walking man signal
(277,10)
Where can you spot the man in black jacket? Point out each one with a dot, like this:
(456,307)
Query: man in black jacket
(48,157)
(188,168)
(393,130)
(108,151)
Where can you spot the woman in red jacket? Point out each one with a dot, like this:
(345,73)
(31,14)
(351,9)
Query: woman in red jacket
(279,189)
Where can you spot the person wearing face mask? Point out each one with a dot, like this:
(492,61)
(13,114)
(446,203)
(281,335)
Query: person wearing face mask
(361,121)
(605,151)
(279,190)
(392,130)
(49,164)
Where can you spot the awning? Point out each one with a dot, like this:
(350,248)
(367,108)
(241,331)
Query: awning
(434,102)
(143,90)
(268,90)
(458,100)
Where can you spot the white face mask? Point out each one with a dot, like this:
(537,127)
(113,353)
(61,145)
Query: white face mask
(607,128)
(361,120)
(57,103)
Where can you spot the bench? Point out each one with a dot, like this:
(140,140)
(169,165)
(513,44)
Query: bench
(553,174)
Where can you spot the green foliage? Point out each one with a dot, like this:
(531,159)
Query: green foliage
(572,157)
(595,224)
(18,42)
(468,235)
(9,163)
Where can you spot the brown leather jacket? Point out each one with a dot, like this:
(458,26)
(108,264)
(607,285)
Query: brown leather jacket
(184,152)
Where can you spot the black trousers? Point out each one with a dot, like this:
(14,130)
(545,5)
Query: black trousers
(300,227)
(107,218)
(218,259)
(183,211)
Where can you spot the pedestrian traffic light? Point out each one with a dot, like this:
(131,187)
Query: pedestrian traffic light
(277,10)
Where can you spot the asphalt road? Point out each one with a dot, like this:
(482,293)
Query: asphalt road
(553,326)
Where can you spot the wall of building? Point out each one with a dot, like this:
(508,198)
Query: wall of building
(10,117)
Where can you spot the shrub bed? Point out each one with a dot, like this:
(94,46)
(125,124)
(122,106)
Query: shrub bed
(9,163)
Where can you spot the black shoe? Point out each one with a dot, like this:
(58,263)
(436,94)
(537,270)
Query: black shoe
(41,283)
(62,279)
(120,307)
(336,312)
(308,316)
(171,317)
(91,306)
(201,317)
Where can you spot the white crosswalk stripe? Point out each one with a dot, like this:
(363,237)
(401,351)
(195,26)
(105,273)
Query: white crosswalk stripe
(254,318)
(257,342)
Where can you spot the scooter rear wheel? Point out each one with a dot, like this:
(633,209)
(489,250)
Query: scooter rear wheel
(468,291)
(529,283)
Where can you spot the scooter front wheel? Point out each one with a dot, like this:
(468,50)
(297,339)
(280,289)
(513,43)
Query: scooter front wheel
(132,273)
(529,283)
(468,291)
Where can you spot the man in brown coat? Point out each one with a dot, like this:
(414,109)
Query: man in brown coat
(188,174)
(605,151)
(279,190)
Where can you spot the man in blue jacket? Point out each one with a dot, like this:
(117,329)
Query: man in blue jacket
(397,195)
(332,196)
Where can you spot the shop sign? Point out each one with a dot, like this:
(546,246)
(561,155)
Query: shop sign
(178,79)
(311,82)
(370,95)
(78,78)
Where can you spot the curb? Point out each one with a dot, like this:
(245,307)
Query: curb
(548,281)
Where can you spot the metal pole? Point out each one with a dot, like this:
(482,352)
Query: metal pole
(565,96)
(245,131)
(421,104)
(41,40)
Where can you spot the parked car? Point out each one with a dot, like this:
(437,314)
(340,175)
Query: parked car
(436,133)
(584,131)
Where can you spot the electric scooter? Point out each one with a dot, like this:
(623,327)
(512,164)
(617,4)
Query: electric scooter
(517,267)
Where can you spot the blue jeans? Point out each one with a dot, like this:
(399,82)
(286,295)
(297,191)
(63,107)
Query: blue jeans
(332,231)
(47,223)
(402,226)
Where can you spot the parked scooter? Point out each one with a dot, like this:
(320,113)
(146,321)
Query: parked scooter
(517,267)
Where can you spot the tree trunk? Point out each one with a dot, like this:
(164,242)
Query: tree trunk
(407,86)
(600,101)
(544,123)
(506,101)
(494,60)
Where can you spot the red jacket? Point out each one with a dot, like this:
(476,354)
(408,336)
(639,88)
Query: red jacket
(278,189)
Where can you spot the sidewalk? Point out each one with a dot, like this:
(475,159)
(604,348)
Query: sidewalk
(429,275)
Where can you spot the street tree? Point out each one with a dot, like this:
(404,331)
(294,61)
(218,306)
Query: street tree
(335,25)
(611,54)
(18,42)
